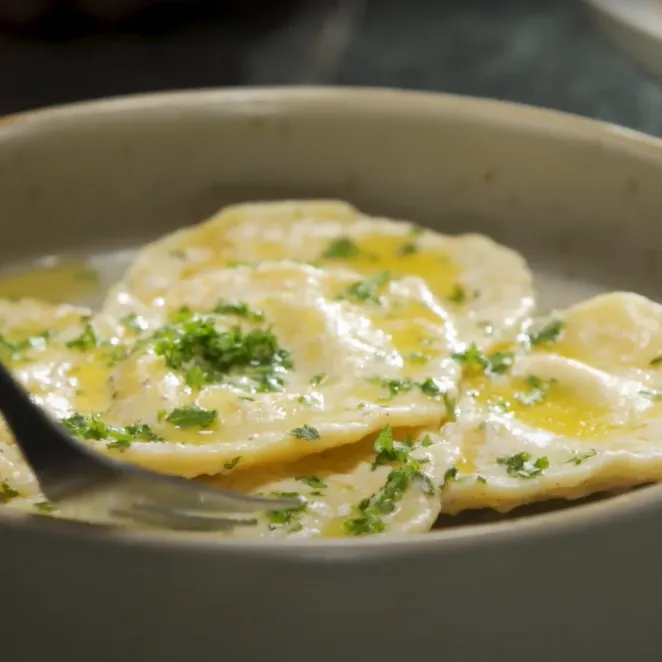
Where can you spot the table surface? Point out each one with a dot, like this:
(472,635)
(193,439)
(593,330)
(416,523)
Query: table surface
(545,53)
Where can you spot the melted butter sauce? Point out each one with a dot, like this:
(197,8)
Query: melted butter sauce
(70,281)
(558,411)
(402,256)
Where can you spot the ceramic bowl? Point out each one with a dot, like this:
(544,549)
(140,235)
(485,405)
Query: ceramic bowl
(581,200)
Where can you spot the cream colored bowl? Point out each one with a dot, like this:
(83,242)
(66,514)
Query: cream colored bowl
(581,200)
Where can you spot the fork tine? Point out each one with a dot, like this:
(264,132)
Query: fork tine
(164,518)
(65,467)
(180,494)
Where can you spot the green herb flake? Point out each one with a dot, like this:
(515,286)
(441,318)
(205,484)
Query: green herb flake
(16,347)
(449,476)
(473,360)
(142,432)
(522,465)
(371,511)
(196,377)
(305,432)
(192,417)
(580,458)
(318,380)
(196,348)
(363,291)
(656,361)
(133,322)
(7,492)
(549,333)
(395,386)
(451,406)
(229,466)
(407,249)
(431,387)
(342,248)
(119,444)
(238,309)
(459,295)
(87,340)
(287,518)
(426,442)
(388,450)
(481,480)
(44,507)
(312,481)
(538,391)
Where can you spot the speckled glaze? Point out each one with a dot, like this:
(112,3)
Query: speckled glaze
(581,200)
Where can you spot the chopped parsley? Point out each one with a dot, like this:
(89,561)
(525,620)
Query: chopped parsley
(395,386)
(312,481)
(87,340)
(449,476)
(206,355)
(522,465)
(473,360)
(91,427)
(407,249)
(288,518)
(388,450)
(549,333)
(431,387)
(238,309)
(342,248)
(7,492)
(538,391)
(133,322)
(14,348)
(451,406)
(305,432)
(363,291)
(196,377)
(459,295)
(317,380)
(45,507)
(370,513)
(580,458)
(192,417)
(229,466)
(656,361)
(481,479)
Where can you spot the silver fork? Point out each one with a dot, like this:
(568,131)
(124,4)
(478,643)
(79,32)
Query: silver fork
(87,486)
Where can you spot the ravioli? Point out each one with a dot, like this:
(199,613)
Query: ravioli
(290,361)
(386,485)
(576,414)
(43,345)
(488,286)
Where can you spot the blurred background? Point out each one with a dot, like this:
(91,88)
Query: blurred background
(541,52)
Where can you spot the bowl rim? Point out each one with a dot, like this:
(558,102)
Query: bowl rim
(279,101)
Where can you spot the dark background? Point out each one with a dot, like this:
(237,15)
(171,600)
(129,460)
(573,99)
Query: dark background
(542,52)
